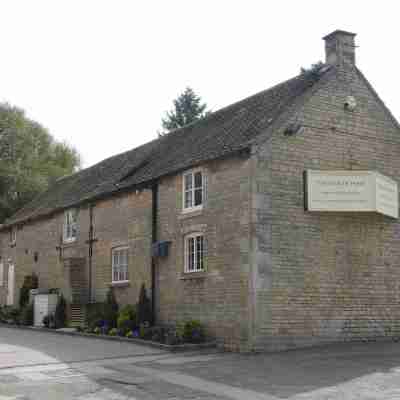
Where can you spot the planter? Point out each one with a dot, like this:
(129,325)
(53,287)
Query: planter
(137,341)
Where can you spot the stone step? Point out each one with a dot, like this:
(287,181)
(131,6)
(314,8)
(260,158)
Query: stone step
(77,315)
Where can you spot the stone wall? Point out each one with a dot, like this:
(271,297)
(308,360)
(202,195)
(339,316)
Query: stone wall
(123,221)
(120,220)
(323,277)
(219,296)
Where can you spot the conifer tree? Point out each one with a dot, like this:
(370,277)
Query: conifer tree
(188,108)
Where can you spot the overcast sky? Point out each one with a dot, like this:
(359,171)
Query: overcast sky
(100,74)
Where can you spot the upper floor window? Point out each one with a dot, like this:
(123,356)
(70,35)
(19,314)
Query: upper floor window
(193,189)
(194,252)
(70,225)
(120,264)
(13,236)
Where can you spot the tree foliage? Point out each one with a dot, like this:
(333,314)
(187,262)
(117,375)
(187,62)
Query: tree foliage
(30,159)
(314,71)
(188,108)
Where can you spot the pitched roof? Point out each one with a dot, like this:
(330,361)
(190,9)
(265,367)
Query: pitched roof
(223,132)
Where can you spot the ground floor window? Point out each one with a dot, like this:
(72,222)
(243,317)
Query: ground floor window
(194,252)
(120,264)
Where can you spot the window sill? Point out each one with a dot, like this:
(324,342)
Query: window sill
(191,212)
(191,209)
(120,283)
(69,241)
(193,275)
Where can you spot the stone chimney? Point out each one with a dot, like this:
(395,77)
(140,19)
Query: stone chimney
(340,49)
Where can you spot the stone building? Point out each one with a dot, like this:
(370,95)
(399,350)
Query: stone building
(237,220)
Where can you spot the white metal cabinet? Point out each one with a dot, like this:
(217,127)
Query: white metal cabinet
(44,304)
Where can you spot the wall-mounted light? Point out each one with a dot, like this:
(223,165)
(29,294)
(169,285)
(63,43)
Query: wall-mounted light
(350,104)
(293,129)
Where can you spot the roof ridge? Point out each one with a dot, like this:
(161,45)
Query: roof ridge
(316,81)
(216,113)
(376,95)
(225,131)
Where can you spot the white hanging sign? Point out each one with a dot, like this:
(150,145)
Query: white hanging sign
(359,191)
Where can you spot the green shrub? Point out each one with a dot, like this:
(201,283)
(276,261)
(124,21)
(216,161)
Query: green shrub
(10,314)
(129,334)
(30,282)
(60,315)
(144,311)
(193,331)
(126,319)
(95,315)
(100,314)
(111,309)
(128,311)
(97,330)
(113,332)
(180,331)
(27,315)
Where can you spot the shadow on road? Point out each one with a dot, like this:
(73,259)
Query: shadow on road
(297,371)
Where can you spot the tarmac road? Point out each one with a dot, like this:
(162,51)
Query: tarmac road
(40,365)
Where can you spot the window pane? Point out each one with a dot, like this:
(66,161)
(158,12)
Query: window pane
(188,181)
(73,230)
(120,264)
(125,257)
(199,253)
(126,273)
(188,199)
(198,197)
(191,254)
(198,180)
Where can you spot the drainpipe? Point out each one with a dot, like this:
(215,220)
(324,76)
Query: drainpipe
(90,251)
(153,240)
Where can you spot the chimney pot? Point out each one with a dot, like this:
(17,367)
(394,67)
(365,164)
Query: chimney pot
(340,48)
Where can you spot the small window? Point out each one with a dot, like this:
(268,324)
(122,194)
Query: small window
(194,252)
(70,225)
(120,264)
(13,236)
(193,190)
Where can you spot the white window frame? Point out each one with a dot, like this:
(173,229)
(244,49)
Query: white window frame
(68,226)
(192,207)
(187,240)
(126,272)
(13,236)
